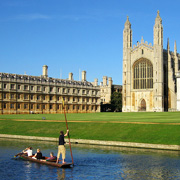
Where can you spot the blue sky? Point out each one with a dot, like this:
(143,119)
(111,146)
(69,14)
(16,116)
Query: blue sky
(76,35)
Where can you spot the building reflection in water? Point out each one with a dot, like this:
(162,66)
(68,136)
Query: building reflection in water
(143,167)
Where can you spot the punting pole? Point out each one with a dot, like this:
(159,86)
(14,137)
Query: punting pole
(68,132)
(20,153)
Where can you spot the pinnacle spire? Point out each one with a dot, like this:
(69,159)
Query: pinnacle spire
(158,12)
(158,18)
(175,47)
(168,47)
(127,23)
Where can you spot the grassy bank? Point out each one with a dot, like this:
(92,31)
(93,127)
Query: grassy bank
(103,126)
(164,117)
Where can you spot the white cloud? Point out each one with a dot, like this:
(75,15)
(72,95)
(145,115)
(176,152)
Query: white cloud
(32,17)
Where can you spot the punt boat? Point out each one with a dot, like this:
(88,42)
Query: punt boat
(50,163)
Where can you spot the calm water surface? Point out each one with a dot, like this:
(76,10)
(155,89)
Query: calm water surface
(91,162)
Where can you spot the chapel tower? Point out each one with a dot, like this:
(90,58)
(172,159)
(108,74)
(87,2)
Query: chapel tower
(158,85)
(127,46)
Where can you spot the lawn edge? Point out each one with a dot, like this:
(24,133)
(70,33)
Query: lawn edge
(98,142)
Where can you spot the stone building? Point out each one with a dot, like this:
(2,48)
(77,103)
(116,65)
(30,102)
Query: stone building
(106,90)
(178,91)
(23,94)
(149,72)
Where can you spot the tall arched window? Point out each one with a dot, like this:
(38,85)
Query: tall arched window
(142,74)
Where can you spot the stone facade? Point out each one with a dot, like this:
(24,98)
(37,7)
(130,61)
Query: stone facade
(23,94)
(149,72)
(106,90)
(178,90)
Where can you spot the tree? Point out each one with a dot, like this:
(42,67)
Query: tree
(116,101)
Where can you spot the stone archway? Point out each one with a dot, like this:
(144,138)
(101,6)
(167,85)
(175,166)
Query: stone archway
(143,105)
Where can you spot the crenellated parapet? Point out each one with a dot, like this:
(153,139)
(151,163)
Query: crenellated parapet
(142,43)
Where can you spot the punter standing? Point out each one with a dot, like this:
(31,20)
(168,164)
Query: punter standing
(61,147)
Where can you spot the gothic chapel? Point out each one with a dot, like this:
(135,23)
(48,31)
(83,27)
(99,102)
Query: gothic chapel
(149,72)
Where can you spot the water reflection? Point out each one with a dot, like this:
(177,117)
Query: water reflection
(145,167)
(27,171)
(91,162)
(61,174)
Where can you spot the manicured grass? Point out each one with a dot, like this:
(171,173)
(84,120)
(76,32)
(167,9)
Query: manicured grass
(96,130)
(160,117)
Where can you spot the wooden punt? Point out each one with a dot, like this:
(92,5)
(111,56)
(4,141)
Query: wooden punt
(50,163)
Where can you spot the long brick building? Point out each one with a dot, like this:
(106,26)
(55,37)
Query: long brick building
(24,94)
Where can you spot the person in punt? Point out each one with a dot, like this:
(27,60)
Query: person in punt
(28,151)
(38,155)
(61,147)
(51,158)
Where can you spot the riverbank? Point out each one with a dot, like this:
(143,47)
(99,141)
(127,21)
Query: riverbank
(138,128)
(96,142)
(122,132)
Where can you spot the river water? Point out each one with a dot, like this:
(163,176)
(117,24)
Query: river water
(91,162)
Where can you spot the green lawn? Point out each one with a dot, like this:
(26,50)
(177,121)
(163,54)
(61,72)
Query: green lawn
(142,133)
(160,117)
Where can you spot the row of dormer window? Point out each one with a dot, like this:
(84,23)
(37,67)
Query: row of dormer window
(51,97)
(44,88)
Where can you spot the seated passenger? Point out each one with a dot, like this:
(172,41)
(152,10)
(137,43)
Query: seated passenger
(52,157)
(38,155)
(28,151)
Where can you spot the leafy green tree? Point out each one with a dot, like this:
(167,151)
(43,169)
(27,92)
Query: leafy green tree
(116,101)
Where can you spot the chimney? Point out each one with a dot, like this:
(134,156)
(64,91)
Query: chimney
(110,81)
(71,76)
(96,82)
(83,75)
(104,80)
(45,71)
